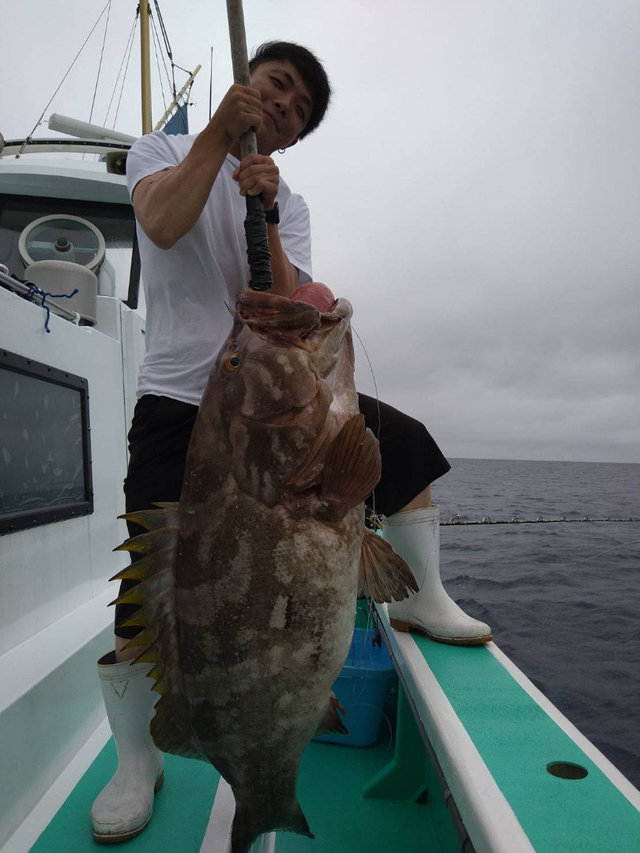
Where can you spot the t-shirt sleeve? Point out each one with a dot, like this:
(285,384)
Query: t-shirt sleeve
(295,235)
(149,154)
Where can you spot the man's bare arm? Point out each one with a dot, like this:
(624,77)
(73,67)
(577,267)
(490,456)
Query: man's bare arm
(168,203)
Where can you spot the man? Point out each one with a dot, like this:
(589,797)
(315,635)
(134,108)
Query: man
(188,197)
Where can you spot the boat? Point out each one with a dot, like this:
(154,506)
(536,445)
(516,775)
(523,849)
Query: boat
(451,748)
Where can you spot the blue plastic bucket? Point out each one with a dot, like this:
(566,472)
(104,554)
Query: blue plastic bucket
(362,687)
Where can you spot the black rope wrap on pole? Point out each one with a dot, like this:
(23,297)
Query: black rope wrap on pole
(255,226)
(258,254)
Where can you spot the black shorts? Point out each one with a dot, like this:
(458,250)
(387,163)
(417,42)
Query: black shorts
(159,438)
(411,459)
(158,442)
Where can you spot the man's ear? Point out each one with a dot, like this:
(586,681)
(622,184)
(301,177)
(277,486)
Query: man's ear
(295,142)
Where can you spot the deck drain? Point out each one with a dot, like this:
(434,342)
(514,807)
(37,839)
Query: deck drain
(566,770)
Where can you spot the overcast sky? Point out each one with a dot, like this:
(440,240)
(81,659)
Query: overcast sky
(474,191)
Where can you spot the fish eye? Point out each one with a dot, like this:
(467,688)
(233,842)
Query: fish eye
(232,362)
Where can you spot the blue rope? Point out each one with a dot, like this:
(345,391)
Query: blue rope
(36,294)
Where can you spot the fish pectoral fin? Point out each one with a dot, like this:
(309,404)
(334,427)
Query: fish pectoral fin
(352,469)
(308,473)
(384,576)
(331,722)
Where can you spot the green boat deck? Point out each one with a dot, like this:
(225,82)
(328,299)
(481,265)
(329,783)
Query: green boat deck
(332,781)
(516,742)
(495,738)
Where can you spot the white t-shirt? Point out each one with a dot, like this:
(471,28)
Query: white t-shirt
(190,288)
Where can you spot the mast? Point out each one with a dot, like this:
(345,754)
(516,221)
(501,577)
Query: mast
(145,66)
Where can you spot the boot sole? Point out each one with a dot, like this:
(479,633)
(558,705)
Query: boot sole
(408,627)
(125,836)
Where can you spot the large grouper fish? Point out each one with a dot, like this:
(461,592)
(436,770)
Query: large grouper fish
(248,584)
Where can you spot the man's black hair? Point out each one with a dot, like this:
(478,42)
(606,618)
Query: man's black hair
(308,67)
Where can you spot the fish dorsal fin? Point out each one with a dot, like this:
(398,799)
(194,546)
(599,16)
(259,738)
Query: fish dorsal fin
(352,469)
(384,576)
(151,519)
(155,595)
(331,722)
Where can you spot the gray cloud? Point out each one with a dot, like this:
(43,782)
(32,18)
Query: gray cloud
(474,192)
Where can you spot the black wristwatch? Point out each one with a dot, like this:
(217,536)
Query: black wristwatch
(272,217)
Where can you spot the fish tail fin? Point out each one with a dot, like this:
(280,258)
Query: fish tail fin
(245,829)
(297,822)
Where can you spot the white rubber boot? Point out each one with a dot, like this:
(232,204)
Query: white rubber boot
(124,807)
(415,536)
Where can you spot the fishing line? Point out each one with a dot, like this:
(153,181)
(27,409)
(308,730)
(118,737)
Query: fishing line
(455,521)
(374,514)
(371,371)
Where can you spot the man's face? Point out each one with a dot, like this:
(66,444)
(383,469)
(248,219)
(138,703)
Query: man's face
(286,104)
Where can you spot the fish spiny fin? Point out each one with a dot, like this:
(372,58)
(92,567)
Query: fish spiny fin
(132,596)
(134,571)
(352,468)
(383,576)
(148,565)
(154,594)
(142,638)
(149,655)
(166,515)
(138,620)
(331,722)
(153,541)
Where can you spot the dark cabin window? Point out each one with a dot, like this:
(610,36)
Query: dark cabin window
(45,455)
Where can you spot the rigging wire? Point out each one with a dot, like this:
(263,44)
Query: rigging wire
(73,62)
(104,41)
(157,52)
(124,64)
(124,76)
(167,46)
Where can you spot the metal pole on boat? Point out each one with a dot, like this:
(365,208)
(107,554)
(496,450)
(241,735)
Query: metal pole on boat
(255,226)
(176,101)
(145,66)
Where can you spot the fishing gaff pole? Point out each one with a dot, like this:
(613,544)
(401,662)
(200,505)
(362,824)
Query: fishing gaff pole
(255,226)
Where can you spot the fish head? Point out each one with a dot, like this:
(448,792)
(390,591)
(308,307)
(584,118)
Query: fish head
(269,385)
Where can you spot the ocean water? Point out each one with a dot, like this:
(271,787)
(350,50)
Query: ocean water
(563,599)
